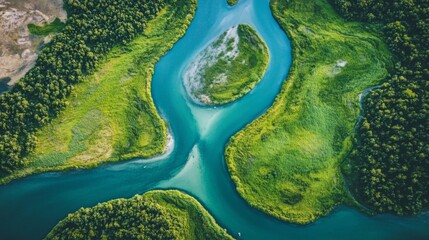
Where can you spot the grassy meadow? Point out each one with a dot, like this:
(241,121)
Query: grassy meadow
(111,115)
(47,29)
(198,221)
(287,162)
(234,67)
(243,72)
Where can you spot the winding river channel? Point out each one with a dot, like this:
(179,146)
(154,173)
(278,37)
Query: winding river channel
(29,208)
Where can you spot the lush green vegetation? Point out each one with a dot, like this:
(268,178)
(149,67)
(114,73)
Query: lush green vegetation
(389,167)
(109,114)
(232,2)
(287,162)
(154,215)
(52,27)
(229,67)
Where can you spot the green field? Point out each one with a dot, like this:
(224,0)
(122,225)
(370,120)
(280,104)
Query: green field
(111,115)
(154,215)
(47,29)
(228,68)
(287,162)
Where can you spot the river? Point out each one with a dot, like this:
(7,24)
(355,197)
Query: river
(30,207)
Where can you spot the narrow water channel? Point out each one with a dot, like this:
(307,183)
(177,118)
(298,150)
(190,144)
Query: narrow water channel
(29,208)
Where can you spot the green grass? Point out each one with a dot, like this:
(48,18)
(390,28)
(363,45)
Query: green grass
(229,78)
(232,2)
(184,215)
(287,162)
(201,225)
(111,115)
(47,29)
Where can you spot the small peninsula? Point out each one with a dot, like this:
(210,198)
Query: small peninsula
(154,215)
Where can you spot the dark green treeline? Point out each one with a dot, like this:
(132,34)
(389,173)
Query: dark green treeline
(390,163)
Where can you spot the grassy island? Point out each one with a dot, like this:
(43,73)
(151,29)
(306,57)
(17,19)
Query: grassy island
(287,162)
(110,114)
(232,2)
(154,215)
(228,68)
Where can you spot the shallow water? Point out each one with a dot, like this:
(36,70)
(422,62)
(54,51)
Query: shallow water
(29,208)
(3,85)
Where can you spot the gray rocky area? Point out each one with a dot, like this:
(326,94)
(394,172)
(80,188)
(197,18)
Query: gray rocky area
(18,48)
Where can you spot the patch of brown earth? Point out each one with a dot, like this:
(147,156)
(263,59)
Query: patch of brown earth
(18,48)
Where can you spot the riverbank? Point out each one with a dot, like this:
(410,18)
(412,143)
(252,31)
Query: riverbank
(111,115)
(153,215)
(287,162)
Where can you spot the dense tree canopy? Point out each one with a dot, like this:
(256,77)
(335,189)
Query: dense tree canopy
(119,219)
(391,159)
(92,29)
(154,215)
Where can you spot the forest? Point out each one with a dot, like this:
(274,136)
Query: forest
(389,166)
(154,215)
(92,29)
(120,219)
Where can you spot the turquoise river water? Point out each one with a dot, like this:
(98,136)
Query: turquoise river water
(30,207)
